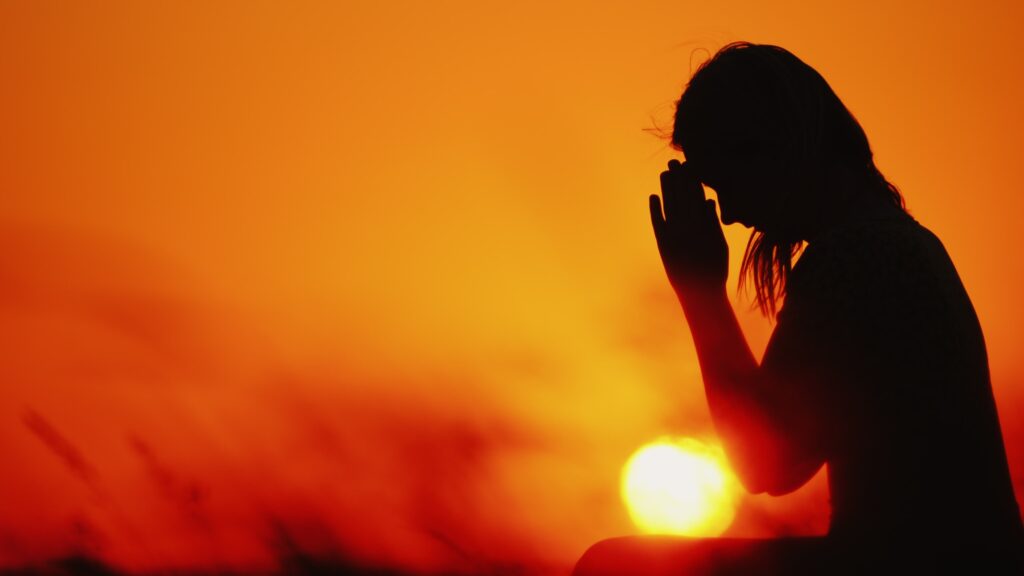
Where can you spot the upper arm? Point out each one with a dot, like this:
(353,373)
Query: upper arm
(806,376)
(796,383)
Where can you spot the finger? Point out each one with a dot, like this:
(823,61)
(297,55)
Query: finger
(683,193)
(691,190)
(668,184)
(657,220)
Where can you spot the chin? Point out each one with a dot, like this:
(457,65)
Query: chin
(741,220)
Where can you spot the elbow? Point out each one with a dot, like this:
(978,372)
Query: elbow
(787,484)
(769,459)
(765,473)
(755,481)
(773,483)
(755,462)
(751,471)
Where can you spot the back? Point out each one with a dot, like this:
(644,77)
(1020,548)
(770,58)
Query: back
(916,450)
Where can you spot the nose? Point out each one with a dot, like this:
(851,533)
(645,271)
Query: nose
(727,216)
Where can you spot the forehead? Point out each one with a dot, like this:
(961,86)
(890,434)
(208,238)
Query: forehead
(725,135)
(719,114)
(721,145)
(712,130)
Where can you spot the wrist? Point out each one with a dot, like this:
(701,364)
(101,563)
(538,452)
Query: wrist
(701,292)
(696,299)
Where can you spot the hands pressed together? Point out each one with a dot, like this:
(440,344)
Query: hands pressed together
(689,235)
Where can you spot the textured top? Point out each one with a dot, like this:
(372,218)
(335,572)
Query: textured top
(880,335)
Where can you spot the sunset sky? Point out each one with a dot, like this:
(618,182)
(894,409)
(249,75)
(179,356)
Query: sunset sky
(375,281)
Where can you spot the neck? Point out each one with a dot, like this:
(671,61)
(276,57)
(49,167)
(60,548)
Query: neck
(848,202)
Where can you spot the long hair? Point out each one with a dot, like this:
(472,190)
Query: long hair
(814,128)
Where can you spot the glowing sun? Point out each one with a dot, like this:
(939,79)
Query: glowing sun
(680,486)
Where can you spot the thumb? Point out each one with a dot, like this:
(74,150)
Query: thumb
(657,219)
(710,205)
(712,221)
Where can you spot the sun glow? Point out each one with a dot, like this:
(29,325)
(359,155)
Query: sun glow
(680,486)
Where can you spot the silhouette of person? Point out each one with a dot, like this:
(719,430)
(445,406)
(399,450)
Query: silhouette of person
(876,366)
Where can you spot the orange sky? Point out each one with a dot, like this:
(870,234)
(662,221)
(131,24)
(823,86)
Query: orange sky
(380,276)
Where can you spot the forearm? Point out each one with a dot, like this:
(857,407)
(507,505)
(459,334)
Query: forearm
(696,258)
(726,362)
(731,377)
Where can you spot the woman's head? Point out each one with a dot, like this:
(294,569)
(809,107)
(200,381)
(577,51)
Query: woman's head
(767,133)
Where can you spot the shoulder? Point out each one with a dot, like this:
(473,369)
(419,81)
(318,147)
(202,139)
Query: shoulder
(875,248)
(865,264)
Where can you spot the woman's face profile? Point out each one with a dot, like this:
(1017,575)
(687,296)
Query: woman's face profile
(741,164)
(743,173)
